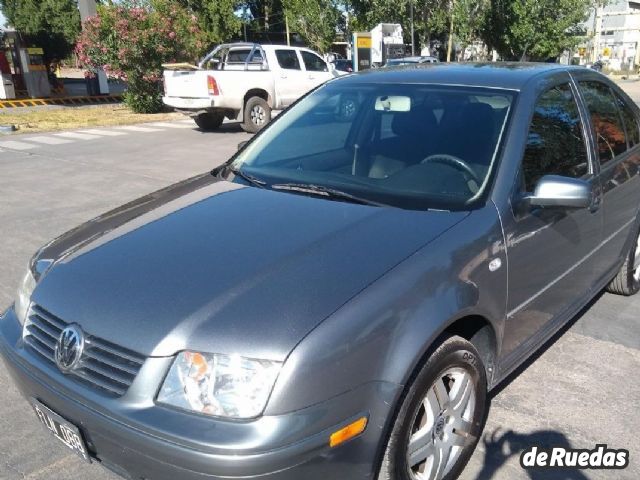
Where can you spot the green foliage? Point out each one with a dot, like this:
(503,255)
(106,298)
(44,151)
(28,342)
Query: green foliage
(51,24)
(468,20)
(534,29)
(131,40)
(216,17)
(315,20)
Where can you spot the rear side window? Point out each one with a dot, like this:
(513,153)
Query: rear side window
(630,122)
(288,59)
(605,119)
(555,145)
(312,62)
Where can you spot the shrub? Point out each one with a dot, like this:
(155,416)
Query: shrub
(132,39)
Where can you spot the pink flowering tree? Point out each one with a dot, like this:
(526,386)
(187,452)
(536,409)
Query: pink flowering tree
(132,39)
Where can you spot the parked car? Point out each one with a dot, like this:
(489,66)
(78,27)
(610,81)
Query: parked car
(243,81)
(396,62)
(343,65)
(337,300)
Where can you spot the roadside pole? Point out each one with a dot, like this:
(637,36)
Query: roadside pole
(413,44)
(88,9)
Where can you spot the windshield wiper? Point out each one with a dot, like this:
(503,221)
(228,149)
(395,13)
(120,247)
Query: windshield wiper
(324,192)
(248,177)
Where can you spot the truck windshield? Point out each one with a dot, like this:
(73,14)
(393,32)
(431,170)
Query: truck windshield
(409,146)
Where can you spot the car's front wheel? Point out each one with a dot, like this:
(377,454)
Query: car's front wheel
(441,416)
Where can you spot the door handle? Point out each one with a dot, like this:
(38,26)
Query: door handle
(283,76)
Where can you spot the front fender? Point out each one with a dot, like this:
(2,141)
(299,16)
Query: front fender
(382,334)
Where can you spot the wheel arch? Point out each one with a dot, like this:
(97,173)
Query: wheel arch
(257,92)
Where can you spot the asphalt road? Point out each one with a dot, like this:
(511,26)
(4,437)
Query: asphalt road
(583,389)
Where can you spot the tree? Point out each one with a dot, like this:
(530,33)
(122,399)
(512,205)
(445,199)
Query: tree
(534,29)
(130,41)
(217,18)
(53,25)
(314,20)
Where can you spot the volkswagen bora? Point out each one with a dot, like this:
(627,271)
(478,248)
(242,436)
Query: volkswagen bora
(337,300)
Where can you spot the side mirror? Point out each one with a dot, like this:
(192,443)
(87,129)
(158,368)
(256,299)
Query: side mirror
(558,191)
(242,144)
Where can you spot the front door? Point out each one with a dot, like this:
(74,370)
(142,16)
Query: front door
(549,248)
(316,68)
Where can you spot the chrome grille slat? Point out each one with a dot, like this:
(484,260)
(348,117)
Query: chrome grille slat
(103,364)
(51,319)
(96,343)
(96,381)
(107,372)
(54,333)
(95,354)
(42,350)
(42,336)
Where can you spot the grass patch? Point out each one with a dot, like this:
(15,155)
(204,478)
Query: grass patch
(49,119)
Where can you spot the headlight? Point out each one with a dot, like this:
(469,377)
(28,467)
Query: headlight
(23,299)
(219,385)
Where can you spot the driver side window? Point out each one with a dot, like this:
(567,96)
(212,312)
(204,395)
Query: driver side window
(555,145)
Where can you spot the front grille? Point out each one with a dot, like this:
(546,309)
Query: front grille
(103,364)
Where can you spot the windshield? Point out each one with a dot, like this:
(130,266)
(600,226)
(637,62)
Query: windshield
(409,146)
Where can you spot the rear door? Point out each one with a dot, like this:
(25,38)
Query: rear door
(549,249)
(316,68)
(291,78)
(614,123)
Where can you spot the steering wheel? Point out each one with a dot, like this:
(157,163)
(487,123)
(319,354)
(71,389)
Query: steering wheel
(454,162)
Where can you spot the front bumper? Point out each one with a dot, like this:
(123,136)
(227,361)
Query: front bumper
(140,440)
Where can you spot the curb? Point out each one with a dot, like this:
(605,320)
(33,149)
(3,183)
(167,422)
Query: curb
(35,102)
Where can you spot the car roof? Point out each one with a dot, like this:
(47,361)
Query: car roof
(507,75)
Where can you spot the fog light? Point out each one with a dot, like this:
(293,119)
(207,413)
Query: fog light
(347,433)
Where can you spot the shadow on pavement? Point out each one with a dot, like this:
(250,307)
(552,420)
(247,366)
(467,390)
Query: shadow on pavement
(501,446)
(230,127)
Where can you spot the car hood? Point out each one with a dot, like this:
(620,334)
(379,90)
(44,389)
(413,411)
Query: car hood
(215,266)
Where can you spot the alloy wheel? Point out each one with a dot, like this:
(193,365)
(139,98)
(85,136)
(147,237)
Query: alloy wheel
(258,115)
(442,425)
(636,261)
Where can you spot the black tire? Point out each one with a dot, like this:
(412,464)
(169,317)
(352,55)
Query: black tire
(626,282)
(257,114)
(209,121)
(454,353)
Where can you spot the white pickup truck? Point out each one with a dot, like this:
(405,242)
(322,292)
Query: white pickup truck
(243,81)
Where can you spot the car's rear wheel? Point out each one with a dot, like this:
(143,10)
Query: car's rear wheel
(627,281)
(441,416)
(209,121)
(257,114)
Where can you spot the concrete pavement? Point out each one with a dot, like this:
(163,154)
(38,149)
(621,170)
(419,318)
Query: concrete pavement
(582,390)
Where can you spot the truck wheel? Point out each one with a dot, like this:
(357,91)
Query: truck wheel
(627,281)
(440,418)
(257,114)
(209,121)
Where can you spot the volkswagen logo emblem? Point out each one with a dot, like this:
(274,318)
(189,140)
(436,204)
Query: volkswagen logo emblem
(69,348)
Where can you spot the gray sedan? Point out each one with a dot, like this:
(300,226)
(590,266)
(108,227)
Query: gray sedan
(339,298)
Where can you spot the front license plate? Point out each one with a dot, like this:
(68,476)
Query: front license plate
(64,431)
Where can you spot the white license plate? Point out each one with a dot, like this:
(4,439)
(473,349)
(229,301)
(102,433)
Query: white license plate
(64,431)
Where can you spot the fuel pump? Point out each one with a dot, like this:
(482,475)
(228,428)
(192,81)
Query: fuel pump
(361,51)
